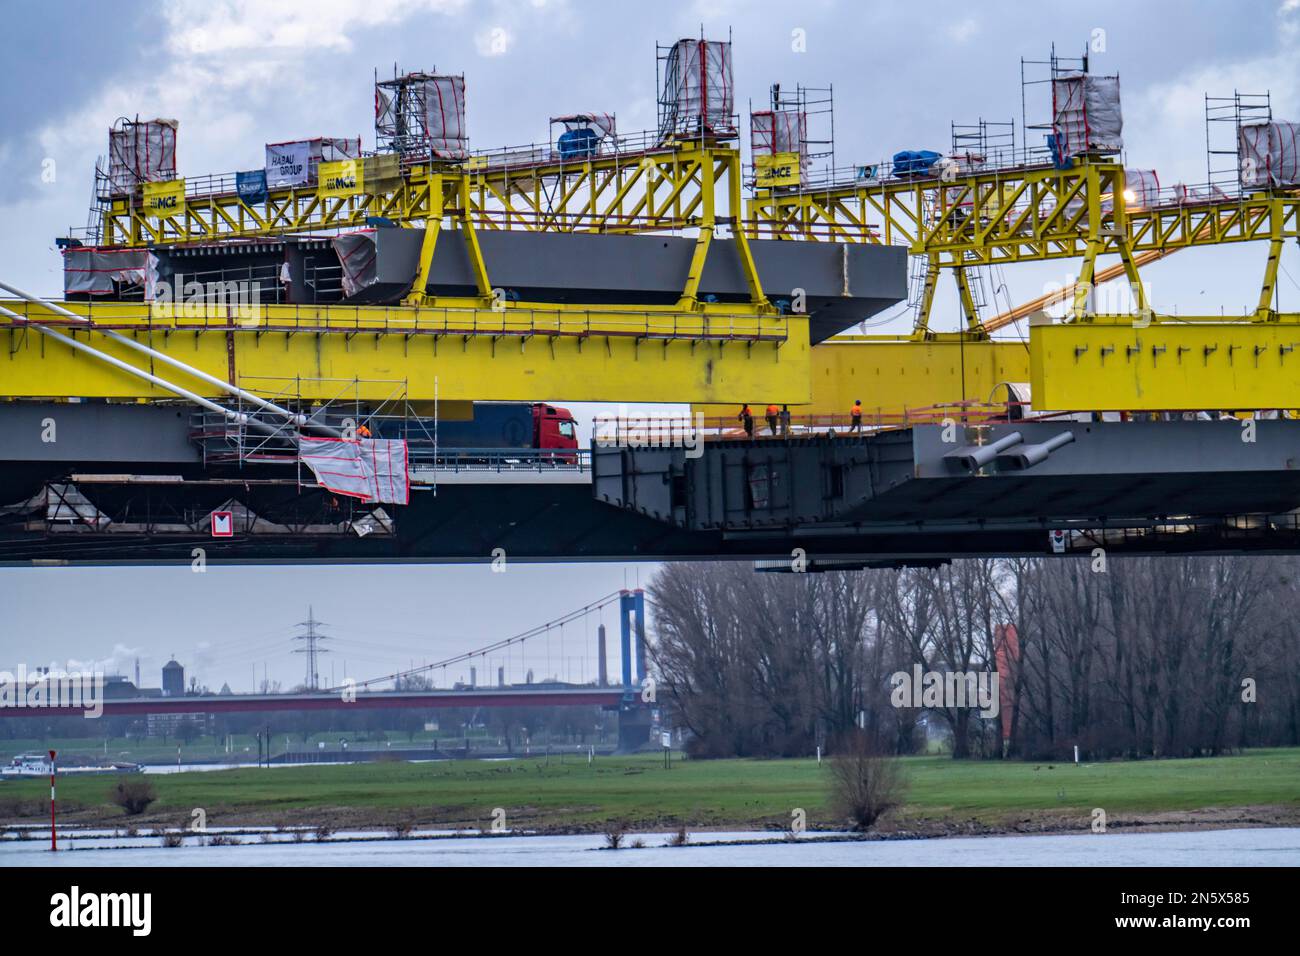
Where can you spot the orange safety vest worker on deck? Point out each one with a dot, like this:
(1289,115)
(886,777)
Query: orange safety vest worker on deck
(855,416)
(772,413)
(363,431)
(746,418)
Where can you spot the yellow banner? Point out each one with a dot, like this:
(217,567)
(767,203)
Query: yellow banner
(165,198)
(343,177)
(779,169)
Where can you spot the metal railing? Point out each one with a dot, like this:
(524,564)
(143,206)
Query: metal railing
(502,460)
(518,321)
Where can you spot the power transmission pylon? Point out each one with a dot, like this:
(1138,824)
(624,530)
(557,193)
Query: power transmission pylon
(312,637)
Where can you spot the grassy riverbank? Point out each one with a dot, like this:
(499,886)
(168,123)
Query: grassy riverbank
(945,796)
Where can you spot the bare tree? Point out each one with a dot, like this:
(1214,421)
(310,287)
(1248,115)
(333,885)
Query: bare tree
(865,783)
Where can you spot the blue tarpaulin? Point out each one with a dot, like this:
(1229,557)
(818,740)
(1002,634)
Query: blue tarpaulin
(251,186)
(915,162)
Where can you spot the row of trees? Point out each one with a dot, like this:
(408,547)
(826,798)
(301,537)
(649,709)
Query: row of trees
(1132,657)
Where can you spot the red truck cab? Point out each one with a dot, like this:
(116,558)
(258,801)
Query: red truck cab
(553,427)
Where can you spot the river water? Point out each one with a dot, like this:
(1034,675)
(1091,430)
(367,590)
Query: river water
(1242,847)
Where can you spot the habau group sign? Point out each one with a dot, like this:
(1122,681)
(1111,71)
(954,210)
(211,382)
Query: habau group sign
(287,164)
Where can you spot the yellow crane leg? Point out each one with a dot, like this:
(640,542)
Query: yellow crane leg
(379,354)
(1188,363)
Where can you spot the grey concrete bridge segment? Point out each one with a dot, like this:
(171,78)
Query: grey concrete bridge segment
(1107,472)
(96,432)
(843,283)
(888,498)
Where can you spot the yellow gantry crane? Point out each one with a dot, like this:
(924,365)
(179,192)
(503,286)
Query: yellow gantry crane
(1136,361)
(462,347)
(483,343)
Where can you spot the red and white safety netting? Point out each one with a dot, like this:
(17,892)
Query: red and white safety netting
(140,152)
(372,469)
(1270,154)
(1086,115)
(698,94)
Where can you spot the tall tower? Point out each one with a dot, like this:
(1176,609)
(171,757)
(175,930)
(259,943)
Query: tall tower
(173,679)
(312,638)
(602,665)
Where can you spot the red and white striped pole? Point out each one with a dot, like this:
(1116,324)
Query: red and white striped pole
(54,842)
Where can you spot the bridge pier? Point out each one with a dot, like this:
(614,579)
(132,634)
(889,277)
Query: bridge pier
(631,624)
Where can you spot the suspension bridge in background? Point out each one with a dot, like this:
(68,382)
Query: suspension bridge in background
(417,688)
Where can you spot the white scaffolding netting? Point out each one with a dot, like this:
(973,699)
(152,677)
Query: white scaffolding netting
(444,110)
(698,94)
(422,111)
(91,271)
(358,260)
(1141,187)
(778,131)
(140,152)
(1086,114)
(1269,154)
(372,469)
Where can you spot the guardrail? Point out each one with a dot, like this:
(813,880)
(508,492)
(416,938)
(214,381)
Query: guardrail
(714,323)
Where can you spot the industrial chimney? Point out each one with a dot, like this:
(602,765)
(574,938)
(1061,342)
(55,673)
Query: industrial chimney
(603,665)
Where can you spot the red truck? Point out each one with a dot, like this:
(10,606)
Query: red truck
(522,425)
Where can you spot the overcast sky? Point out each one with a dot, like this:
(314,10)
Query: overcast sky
(239,74)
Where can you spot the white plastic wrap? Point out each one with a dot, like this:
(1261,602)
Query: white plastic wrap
(372,469)
(778,131)
(1142,188)
(358,259)
(444,112)
(1086,114)
(1269,154)
(91,271)
(141,152)
(699,93)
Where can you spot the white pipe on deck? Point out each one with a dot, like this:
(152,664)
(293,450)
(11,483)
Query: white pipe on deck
(298,419)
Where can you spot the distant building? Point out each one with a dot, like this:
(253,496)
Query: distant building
(173,679)
(117,687)
(168,725)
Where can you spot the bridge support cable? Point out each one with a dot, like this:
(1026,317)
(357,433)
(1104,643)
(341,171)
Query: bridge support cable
(519,639)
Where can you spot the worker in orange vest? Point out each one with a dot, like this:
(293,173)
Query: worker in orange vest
(855,416)
(747,419)
(363,431)
(772,413)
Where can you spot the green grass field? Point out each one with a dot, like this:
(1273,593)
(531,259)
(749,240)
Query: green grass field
(639,791)
(209,748)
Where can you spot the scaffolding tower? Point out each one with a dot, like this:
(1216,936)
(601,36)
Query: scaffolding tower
(421,116)
(1043,73)
(1224,117)
(695,91)
(984,144)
